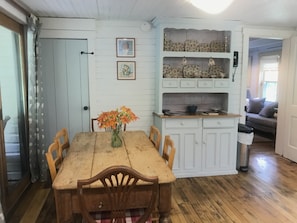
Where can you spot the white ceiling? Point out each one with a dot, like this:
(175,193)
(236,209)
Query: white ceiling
(250,12)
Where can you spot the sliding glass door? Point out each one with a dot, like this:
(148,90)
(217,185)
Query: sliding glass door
(14,166)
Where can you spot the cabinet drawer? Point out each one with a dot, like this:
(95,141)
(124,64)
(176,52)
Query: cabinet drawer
(188,83)
(218,123)
(221,83)
(170,83)
(183,123)
(205,83)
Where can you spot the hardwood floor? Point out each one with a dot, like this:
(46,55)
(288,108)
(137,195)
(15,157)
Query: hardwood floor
(266,193)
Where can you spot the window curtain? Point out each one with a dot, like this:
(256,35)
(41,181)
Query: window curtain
(37,147)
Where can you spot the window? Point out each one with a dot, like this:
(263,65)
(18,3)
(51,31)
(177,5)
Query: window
(269,76)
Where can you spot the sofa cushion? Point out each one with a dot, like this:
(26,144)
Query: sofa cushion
(262,129)
(268,110)
(261,121)
(255,105)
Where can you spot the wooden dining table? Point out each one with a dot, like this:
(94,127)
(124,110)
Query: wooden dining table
(91,152)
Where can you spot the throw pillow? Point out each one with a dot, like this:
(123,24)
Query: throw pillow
(255,105)
(269,110)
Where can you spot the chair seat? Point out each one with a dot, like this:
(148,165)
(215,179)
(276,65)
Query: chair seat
(131,216)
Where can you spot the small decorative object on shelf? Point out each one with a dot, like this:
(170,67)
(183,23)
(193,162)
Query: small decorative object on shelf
(226,44)
(114,120)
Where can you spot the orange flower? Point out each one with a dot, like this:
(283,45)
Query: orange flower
(115,118)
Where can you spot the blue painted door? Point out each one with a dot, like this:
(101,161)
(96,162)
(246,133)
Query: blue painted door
(66,90)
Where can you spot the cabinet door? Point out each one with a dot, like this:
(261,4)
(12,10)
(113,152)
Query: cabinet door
(192,150)
(219,150)
(187,161)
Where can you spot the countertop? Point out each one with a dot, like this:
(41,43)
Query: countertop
(198,115)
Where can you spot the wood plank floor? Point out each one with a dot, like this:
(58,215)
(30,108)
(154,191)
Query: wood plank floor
(266,193)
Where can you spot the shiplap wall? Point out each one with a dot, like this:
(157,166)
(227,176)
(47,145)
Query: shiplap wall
(111,93)
(236,85)
(106,92)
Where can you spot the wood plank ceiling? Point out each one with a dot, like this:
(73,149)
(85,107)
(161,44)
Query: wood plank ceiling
(252,12)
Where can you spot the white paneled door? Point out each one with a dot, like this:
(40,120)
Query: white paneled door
(290,130)
(64,70)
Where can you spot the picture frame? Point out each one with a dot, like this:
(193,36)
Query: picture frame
(126,70)
(125,47)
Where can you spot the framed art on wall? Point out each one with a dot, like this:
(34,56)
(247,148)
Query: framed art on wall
(126,70)
(125,47)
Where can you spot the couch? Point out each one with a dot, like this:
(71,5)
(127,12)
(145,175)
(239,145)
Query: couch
(261,115)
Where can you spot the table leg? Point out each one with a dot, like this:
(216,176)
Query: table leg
(63,206)
(164,205)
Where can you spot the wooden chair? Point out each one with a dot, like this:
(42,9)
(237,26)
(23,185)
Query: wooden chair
(63,139)
(168,151)
(93,123)
(110,129)
(124,127)
(118,182)
(53,158)
(155,136)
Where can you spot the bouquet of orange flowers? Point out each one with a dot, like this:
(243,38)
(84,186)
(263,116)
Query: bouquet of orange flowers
(116,118)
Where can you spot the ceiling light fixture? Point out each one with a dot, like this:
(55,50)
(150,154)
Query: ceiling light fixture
(211,6)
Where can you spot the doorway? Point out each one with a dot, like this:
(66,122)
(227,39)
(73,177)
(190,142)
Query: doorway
(286,37)
(263,70)
(14,164)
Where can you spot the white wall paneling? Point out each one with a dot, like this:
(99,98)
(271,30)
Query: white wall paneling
(137,94)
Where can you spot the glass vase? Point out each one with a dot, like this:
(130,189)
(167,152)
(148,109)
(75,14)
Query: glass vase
(116,140)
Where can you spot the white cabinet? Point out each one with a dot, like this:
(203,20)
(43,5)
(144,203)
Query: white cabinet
(219,146)
(204,146)
(186,134)
(195,66)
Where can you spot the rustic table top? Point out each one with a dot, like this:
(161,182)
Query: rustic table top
(91,152)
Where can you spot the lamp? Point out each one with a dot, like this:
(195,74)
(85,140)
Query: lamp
(211,6)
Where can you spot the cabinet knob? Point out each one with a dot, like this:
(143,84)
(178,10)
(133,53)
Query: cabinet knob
(182,123)
(219,123)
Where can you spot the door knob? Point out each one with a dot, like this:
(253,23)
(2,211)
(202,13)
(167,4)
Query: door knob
(86,108)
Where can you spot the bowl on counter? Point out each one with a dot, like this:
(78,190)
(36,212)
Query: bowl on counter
(216,109)
(192,109)
(166,112)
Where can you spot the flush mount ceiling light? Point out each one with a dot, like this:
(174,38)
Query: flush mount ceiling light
(211,6)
